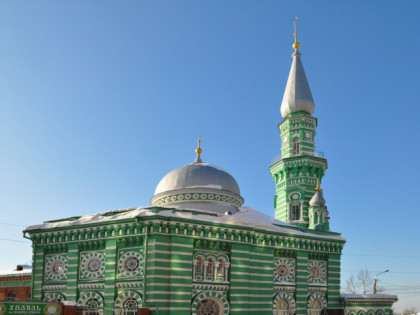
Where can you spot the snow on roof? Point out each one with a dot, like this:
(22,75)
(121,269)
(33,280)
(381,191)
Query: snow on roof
(26,271)
(245,217)
(369,296)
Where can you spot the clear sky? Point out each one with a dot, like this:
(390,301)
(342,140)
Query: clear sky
(100,99)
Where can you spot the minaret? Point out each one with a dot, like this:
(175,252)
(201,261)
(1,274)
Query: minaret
(296,173)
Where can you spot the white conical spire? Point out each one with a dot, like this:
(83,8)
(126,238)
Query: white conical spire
(297,96)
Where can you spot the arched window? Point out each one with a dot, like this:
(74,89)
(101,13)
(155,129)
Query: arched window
(295,214)
(11,296)
(208,307)
(295,148)
(92,307)
(221,269)
(199,268)
(282,307)
(130,307)
(209,269)
(316,217)
(315,307)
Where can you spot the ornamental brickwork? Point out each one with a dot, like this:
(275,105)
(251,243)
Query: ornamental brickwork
(184,266)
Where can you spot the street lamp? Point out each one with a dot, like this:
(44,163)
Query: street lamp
(374,280)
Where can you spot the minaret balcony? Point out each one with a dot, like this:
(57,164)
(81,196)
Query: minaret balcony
(316,153)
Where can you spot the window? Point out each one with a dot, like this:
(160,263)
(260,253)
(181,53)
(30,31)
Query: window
(295,148)
(11,296)
(295,215)
(209,269)
(221,269)
(282,307)
(315,307)
(207,307)
(130,307)
(92,307)
(199,266)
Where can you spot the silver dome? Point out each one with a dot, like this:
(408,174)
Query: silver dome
(198,175)
(198,183)
(317,200)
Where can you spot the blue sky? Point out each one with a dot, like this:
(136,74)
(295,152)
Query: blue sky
(100,99)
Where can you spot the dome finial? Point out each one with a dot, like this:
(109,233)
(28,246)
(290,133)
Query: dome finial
(317,185)
(296,45)
(198,151)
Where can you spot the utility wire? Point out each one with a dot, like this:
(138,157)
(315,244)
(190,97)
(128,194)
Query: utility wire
(374,255)
(343,271)
(12,224)
(10,240)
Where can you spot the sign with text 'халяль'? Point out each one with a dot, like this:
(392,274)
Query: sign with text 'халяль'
(29,308)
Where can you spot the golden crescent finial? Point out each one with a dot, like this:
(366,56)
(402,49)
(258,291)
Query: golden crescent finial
(296,45)
(317,185)
(198,151)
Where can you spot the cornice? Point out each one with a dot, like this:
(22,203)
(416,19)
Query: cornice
(312,289)
(207,286)
(197,194)
(54,287)
(90,286)
(129,285)
(282,288)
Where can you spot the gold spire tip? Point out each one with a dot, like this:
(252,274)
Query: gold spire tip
(296,45)
(198,151)
(317,185)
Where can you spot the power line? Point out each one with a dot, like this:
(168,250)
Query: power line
(376,255)
(399,272)
(12,224)
(400,285)
(10,240)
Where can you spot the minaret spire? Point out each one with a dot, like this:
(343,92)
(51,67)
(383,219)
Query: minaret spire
(296,45)
(297,96)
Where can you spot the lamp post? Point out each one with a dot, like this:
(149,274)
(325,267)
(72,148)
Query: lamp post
(374,280)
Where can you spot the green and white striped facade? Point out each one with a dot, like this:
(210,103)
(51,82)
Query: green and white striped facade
(252,269)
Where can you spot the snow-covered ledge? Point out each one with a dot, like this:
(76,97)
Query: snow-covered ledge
(368,304)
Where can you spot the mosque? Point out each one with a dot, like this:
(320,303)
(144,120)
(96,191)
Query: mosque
(197,250)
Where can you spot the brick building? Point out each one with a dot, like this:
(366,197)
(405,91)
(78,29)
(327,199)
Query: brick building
(15,284)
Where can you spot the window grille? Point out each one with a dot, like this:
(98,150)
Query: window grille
(295,215)
(296,148)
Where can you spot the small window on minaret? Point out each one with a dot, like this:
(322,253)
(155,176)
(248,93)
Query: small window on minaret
(295,148)
(295,213)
